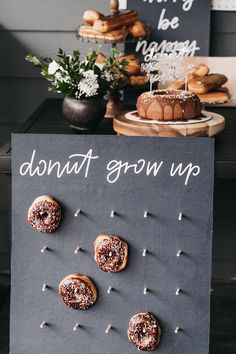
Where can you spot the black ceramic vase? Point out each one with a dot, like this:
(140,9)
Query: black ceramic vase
(84,114)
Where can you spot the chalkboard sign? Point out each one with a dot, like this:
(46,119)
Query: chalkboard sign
(181,26)
(161,191)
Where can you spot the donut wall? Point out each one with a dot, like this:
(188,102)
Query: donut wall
(111,244)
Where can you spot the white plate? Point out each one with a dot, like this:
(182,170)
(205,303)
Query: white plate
(133,115)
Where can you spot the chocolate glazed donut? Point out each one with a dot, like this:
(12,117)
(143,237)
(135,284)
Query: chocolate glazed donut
(77,291)
(111,253)
(144,331)
(44,214)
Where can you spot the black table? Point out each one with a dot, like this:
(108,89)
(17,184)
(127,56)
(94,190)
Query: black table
(48,119)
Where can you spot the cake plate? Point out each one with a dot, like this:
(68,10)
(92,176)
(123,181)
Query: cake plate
(128,123)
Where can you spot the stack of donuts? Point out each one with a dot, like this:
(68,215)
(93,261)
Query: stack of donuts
(132,74)
(115,27)
(208,87)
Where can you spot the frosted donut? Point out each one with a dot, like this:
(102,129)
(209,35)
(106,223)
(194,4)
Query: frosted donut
(110,253)
(44,214)
(144,331)
(77,291)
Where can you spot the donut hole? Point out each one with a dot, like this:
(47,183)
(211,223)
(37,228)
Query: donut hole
(44,215)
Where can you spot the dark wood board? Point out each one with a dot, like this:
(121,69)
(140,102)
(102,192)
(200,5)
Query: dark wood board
(97,193)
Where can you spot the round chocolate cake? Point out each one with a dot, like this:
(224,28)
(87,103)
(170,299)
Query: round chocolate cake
(168,105)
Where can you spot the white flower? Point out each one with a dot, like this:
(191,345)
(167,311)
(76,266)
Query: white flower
(53,67)
(88,86)
(109,77)
(62,77)
(58,76)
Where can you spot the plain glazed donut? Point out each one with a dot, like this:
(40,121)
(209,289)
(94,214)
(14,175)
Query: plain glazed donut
(77,291)
(144,331)
(110,253)
(44,214)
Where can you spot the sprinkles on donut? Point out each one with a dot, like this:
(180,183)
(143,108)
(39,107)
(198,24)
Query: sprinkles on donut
(144,331)
(77,291)
(44,214)
(110,253)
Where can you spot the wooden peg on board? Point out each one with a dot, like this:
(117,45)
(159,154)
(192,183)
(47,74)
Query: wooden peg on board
(45,248)
(109,290)
(177,329)
(114,6)
(44,287)
(178,254)
(43,324)
(108,329)
(77,213)
(76,251)
(76,327)
(177,292)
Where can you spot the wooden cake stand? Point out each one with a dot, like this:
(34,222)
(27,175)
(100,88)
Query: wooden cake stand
(129,124)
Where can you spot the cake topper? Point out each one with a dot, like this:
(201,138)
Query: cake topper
(166,68)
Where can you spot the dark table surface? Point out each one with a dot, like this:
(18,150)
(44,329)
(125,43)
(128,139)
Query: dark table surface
(48,119)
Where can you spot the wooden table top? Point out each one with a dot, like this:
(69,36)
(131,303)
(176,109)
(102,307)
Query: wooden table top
(48,119)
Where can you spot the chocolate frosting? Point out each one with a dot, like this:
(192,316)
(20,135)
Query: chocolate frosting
(76,293)
(144,331)
(44,215)
(110,253)
(184,102)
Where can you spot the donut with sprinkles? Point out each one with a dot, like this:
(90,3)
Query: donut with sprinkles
(44,214)
(77,291)
(110,253)
(144,331)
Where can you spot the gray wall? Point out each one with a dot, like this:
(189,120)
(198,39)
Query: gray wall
(41,27)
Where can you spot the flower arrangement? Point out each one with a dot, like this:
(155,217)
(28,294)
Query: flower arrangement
(80,79)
